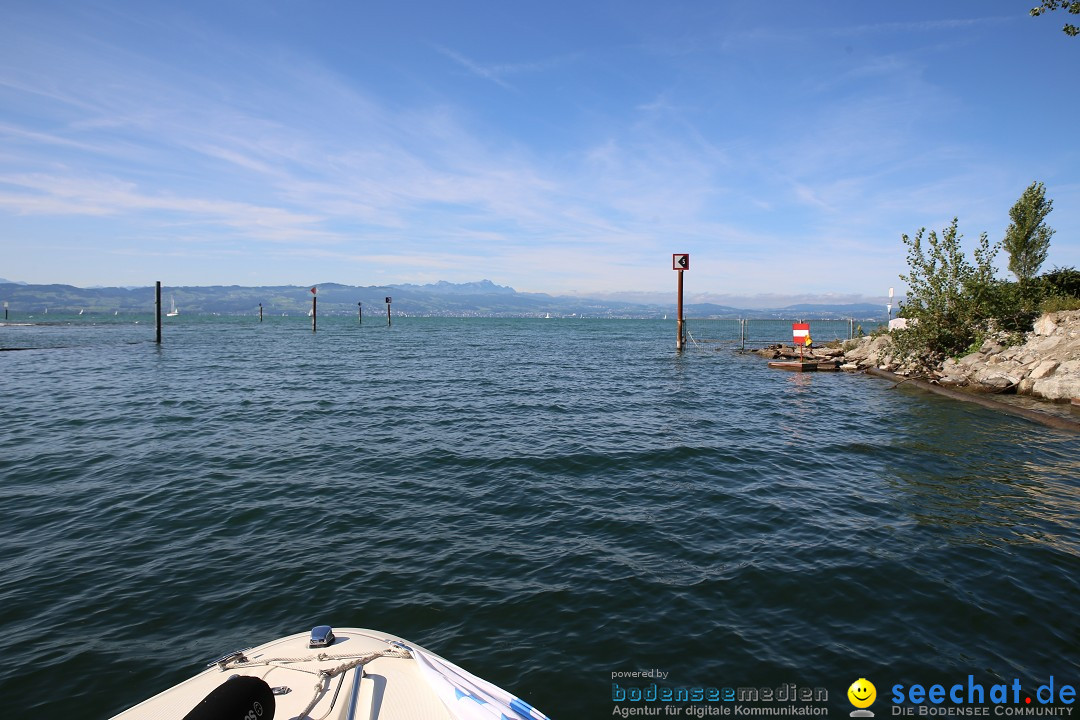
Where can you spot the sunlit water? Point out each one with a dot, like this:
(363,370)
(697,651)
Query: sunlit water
(544,502)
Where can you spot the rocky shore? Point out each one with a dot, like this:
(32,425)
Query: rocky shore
(1046,365)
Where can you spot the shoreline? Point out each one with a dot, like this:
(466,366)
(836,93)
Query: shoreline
(1043,371)
(1060,422)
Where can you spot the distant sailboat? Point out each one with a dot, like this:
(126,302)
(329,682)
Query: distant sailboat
(548,316)
(174,312)
(80,312)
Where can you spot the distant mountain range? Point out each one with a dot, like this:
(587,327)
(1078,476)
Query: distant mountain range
(473,299)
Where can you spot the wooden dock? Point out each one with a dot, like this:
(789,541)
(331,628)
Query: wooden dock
(805,365)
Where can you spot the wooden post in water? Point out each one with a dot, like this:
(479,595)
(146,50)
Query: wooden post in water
(680,341)
(157,309)
(260,312)
(388,298)
(680,262)
(5,309)
(360,312)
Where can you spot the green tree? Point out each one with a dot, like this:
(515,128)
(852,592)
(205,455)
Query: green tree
(1028,238)
(949,299)
(1070,6)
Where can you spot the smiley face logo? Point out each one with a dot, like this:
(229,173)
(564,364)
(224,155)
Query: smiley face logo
(862,693)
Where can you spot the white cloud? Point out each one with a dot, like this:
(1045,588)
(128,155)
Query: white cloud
(284,155)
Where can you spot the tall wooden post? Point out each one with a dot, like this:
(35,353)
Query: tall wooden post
(5,309)
(388,298)
(260,312)
(360,312)
(157,310)
(680,263)
(680,341)
(314,317)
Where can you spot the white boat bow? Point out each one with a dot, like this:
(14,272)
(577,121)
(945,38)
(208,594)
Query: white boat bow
(334,674)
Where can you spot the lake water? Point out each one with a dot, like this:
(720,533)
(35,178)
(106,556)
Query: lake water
(544,502)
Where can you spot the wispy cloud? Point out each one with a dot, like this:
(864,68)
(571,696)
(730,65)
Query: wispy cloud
(493,73)
(921,26)
(499,73)
(74,195)
(736,148)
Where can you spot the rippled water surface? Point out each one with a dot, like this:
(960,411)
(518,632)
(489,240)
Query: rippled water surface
(545,502)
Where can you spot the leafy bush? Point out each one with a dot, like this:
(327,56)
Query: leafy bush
(956,303)
(1057,303)
(1061,281)
(975,345)
(1016,306)
(950,298)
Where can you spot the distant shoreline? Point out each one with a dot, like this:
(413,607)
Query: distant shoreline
(482,299)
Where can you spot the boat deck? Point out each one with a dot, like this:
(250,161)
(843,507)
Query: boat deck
(387,687)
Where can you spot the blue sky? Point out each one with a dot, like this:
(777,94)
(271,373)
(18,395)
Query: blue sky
(555,147)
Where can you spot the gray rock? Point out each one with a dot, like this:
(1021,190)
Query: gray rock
(1057,387)
(1045,326)
(1062,384)
(1042,346)
(998,381)
(1043,369)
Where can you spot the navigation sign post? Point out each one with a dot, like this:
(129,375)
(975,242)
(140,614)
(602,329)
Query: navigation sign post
(680,262)
(800,334)
(314,291)
(388,299)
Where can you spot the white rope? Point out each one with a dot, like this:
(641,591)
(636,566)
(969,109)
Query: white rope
(321,657)
(324,675)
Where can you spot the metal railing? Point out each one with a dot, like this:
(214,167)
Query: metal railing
(759,332)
